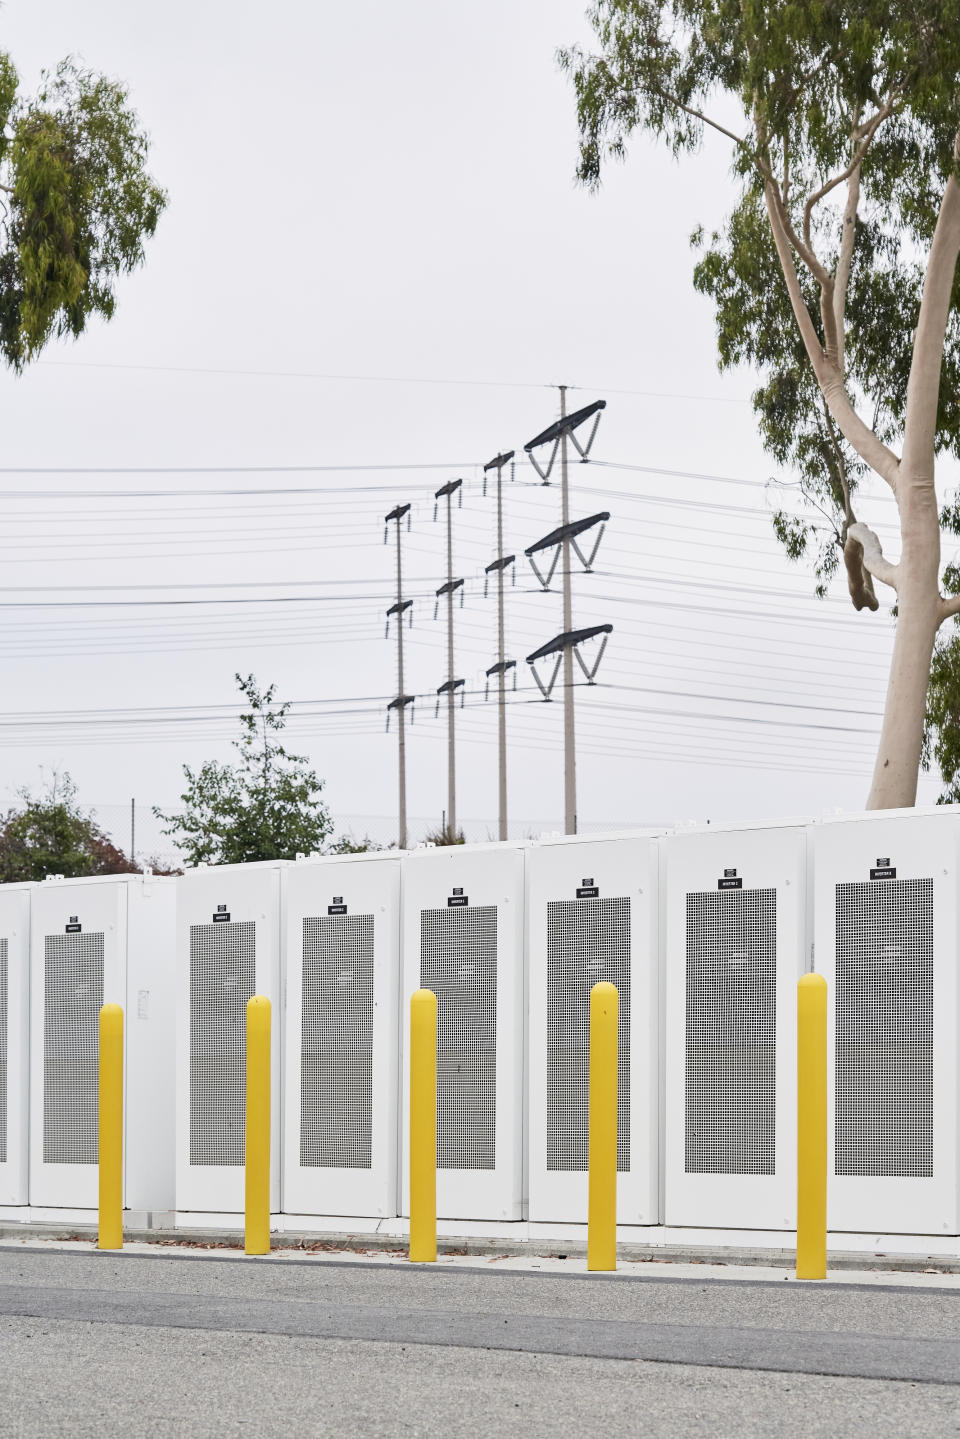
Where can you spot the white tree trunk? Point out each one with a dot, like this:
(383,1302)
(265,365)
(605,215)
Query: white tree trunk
(898,757)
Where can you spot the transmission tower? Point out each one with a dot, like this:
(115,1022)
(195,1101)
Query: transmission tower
(499,567)
(451,685)
(396,516)
(561,541)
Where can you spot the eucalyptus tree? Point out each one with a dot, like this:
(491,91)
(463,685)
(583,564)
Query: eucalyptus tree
(76,204)
(834,274)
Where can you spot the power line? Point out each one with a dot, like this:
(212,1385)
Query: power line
(381,379)
(203,470)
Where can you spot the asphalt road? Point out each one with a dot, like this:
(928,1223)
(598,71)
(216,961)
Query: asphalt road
(98,1344)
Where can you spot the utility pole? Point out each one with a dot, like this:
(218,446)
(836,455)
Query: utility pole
(569,737)
(402,700)
(561,541)
(498,567)
(450,687)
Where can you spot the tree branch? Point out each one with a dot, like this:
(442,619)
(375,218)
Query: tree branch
(848,515)
(923,386)
(781,238)
(867,132)
(822,276)
(873,558)
(698,115)
(948,607)
(844,262)
(871,450)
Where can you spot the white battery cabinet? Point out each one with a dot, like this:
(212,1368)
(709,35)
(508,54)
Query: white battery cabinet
(462,929)
(341,1035)
(886,943)
(591,911)
(104,940)
(229,942)
(14,1041)
(734,948)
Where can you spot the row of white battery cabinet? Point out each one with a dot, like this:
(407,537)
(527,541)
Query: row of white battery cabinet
(704,933)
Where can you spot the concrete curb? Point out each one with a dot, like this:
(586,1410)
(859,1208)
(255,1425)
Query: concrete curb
(328,1243)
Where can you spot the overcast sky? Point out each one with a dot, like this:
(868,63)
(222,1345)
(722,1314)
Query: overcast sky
(385,194)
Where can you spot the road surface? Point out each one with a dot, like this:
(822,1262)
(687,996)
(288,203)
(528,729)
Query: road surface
(206,1345)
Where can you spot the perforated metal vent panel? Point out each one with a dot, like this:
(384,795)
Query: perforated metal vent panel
(222,979)
(731,1015)
(4,1049)
(588,941)
(884,1028)
(458,961)
(72,998)
(336,1041)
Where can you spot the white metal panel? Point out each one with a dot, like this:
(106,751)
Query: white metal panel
(228,949)
(150,1044)
(887,942)
(341,1036)
(14,1041)
(591,907)
(463,936)
(78,963)
(734,948)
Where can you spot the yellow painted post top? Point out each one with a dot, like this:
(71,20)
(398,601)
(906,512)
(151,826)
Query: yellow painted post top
(257,1135)
(423,1127)
(602,1140)
(812,1127)
(110,1128)
(258,1009)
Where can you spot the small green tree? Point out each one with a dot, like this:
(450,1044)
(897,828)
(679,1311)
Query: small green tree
(50,833)
(77,204)
(266,807)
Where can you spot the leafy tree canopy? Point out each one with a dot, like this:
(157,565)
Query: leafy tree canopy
(842,117)
(77,204)
(50,833)
(266,806)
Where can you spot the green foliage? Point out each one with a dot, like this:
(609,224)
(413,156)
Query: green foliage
(50,833)
(941,736)
(444,835)
(265,807)
(791,82)
(348,844)
(78,204)
(791,85)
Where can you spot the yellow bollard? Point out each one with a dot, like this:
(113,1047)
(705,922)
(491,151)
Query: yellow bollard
(110,1128)
(812,1127)
(256,1230)
(602,1181)
(423,1127)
